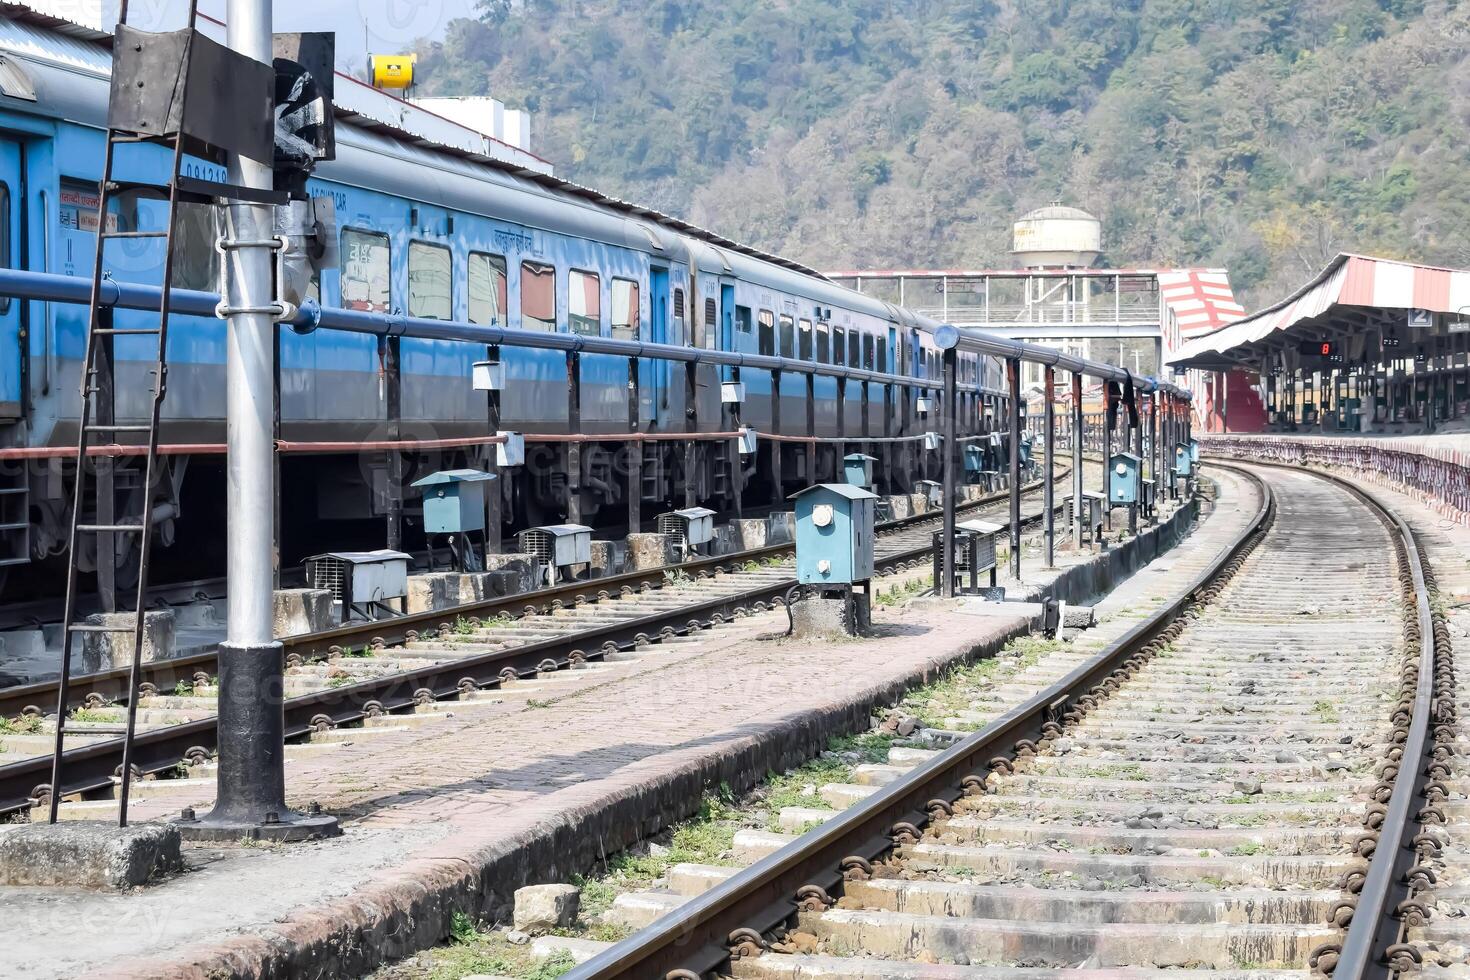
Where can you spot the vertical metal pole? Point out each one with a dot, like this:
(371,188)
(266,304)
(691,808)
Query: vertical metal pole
(691,426)
(574,428)
(1048,493)
(1014,369)
(1107,446)
(737,462)
(634,450)
(842,429)
(811,429)
(776,488)
(1077,436)
(951,452)
(393,382)
(251,778)
(1135,423)
(494,526)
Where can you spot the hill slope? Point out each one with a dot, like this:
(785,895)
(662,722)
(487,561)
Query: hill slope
(1262,135)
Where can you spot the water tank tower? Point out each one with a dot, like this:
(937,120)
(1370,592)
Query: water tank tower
(1057,237)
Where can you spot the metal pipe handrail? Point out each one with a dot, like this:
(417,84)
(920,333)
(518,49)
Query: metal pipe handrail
(951,337)
(49,287)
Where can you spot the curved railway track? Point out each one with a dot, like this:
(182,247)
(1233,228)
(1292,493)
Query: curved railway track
(407,664)
(1235,786)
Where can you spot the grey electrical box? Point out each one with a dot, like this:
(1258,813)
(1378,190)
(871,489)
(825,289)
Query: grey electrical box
(558,545)
(360,578)
(690,527)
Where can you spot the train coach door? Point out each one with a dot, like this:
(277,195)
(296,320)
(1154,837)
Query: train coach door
(11,190)
(653,374)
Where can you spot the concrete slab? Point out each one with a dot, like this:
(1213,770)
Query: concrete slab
(105,651)
(297,611)
(88,855)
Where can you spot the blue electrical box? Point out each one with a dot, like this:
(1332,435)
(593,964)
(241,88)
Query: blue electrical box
(1025,451)
(1194,450)
(454,501)
(834,534)
(857,469)
(1124,472)
(974,458)
(1183,465)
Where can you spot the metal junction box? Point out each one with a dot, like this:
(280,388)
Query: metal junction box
(981,535)
(359,578)
(558,545)
(1124,472)
(857,469)
(930,491)
(454,500)
(1183,465)
(974,459)
(834,534)
(511,452)
(1149,495)
(1194,450)
(1092,510)
(690,527)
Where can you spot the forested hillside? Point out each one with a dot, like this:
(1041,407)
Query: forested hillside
(1262,135)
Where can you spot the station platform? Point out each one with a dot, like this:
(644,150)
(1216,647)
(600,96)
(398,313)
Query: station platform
(453,810)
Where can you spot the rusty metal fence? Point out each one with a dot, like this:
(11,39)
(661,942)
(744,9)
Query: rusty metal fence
(1432,467)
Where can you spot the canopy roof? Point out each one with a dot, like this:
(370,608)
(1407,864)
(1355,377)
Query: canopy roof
(1353,295)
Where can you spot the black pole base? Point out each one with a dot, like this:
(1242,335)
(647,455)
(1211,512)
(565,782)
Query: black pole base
(250,796)
(283,827)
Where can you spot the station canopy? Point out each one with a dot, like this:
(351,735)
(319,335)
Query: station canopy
(1355,297)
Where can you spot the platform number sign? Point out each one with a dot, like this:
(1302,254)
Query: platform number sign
(1321,351)
(1421,319)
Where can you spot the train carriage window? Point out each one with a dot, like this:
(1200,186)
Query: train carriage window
(584,303)
(430,281)
(711,324)
(366,274)
(767,338)
(824,344)
(839,345)
(742,319)
(868,351)
(678,318)
(882,362)
(538,296)
(854,349)
(804,338)
(625,311)
(485,278)
(788,336)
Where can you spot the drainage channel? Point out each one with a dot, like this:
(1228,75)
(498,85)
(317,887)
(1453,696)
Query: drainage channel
(1216,791)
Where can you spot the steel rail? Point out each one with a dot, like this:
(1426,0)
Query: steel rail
(93,767)
(1374,938)
(111,685)
(695,940)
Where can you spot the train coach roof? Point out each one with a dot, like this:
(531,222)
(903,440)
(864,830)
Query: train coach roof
(64,29)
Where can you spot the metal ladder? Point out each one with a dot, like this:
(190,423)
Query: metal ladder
(99,435)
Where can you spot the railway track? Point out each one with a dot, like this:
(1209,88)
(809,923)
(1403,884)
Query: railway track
(377,672)
(1233,786)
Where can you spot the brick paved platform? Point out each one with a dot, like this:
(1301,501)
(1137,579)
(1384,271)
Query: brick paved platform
(534,783)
